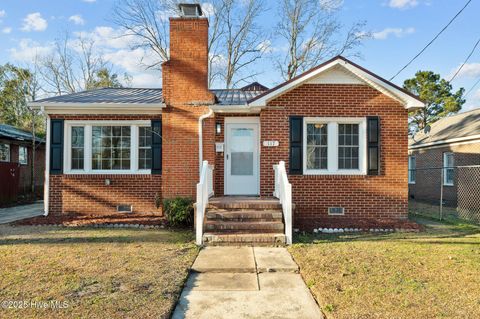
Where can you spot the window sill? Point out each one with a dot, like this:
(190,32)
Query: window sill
(411,183)
(330,173)
(448,184)
(106,172)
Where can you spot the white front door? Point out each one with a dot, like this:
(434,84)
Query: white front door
(242,169)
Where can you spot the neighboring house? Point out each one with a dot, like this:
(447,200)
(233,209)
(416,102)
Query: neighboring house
(340,129)
(15,163)
(450,142)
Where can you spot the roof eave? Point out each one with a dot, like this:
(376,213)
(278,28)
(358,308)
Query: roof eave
(79,108)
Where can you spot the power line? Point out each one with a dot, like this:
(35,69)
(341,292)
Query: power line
(466,60)
(429,43)
(471,89)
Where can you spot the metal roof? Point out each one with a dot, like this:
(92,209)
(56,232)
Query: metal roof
(461,125)
(142,96)
(108,96)
(234,96)
(11,132)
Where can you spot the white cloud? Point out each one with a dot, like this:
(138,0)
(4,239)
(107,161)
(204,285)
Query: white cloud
(402,4)
(109,37)
(7,30)
(397,32)
(28,50)
(89,1)
(77,19)
(2,13)
(208,9)
(469,70)
(34,22)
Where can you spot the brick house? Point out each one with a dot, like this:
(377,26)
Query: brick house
(434,156)
(16,158)
(339,130)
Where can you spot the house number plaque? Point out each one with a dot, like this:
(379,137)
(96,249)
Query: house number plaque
(270,143)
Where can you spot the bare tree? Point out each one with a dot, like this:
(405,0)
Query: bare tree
(234,37)
(243,39)
(313,33)
(75,65)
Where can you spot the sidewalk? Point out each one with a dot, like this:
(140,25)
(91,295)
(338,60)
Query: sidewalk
(245,282)
(11,214)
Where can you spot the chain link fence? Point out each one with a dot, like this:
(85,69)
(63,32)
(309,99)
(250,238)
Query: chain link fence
(446,192)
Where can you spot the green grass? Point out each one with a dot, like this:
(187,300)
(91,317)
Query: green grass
(431,274)
(98,273)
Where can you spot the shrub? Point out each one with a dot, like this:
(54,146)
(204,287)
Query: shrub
(179,211)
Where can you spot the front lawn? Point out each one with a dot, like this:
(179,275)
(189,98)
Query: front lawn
(431,274)
(92,272)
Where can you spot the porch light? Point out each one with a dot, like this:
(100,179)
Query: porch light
(218,128)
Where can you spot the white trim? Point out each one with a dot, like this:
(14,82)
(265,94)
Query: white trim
(446,168)
(200,138)
(218,108)
(332,144)
(410,181)
(241,120)
(20,147)
(46,186)
(408,101)
(457,140)
(87,169)
(99,108)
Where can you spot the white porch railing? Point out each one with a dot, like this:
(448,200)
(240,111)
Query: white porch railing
(283,191)
(204,192)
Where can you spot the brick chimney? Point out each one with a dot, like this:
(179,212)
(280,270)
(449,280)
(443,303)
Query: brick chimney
(186,94)
(185,75)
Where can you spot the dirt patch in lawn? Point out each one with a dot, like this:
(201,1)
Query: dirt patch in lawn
(92,273)
(364,224)
(431,274)
(79,219)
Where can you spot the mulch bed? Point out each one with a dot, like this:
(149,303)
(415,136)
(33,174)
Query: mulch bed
(77,219)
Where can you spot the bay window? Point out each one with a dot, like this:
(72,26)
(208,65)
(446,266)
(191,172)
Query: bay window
(334,146)
(110,147)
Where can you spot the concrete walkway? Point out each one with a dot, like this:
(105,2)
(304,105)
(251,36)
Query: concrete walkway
(245,282)
(11,214)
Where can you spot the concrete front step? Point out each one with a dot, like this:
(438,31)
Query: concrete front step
(242,239)
(256,226)
(244,215)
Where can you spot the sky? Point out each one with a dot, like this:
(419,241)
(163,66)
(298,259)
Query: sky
(400,29)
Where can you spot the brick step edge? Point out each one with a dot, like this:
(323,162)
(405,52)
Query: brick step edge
(246,238)
(254,226)
(255,206)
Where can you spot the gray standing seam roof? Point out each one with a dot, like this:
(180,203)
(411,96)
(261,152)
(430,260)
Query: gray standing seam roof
(110,95)
(144,96)
(11,132)
(457,126)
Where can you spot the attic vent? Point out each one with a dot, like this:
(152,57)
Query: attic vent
(336,211)
(190,10)
(124,208)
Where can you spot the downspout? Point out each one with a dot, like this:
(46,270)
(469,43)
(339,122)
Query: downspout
(200,137)
(46,183)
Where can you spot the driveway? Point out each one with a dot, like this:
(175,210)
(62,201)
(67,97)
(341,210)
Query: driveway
(245,282)
(11,214)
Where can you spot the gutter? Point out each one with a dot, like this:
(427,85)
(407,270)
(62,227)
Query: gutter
(447,141)
(200,136)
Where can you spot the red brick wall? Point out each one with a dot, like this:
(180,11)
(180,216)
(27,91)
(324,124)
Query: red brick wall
(383,196)
(71,193)
(88,194)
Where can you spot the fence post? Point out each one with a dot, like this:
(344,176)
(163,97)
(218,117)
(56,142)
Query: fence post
(441,193)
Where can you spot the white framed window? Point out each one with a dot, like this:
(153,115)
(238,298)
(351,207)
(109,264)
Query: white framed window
(448,170)
(412,166)
(334,146)
(107,147)
(23,155)
(4,152)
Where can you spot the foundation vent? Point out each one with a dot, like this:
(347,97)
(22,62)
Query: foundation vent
(125,208)
(336,211)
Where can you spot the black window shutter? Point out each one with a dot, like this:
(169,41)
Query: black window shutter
(56,147)
(296,145)
(156,146)
(373,145)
